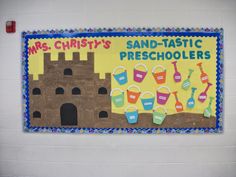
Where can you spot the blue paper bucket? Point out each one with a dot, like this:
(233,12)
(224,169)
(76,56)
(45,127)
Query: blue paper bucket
(148,103)
(121,78)
(131,116)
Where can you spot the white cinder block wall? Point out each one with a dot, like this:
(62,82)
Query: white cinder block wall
(60,155)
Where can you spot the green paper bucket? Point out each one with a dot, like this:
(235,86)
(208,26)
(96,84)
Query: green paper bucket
(118,100)
(159,116)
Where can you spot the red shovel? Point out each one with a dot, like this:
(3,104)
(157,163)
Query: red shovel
(178,104)
(203,76)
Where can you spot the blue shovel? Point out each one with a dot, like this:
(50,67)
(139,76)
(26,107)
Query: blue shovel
(191,101)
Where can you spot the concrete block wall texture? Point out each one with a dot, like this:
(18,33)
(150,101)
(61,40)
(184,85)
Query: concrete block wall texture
(58,155)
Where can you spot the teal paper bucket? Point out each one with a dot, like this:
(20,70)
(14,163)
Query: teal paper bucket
(131,116)
(147,103)
(121,78)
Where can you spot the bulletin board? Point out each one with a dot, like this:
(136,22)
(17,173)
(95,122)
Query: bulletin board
(123,80)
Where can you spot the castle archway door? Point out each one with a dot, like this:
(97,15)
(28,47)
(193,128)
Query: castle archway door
(68,114)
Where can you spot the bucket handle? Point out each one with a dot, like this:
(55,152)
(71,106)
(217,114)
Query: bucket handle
(115,90)
(167,88)
(141,64)
(135,86)
(162,107)
(131,106)
(157,66)
(147,92)
(118,67)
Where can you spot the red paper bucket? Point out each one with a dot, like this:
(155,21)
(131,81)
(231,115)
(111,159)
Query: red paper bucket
(133,96)
(159,76)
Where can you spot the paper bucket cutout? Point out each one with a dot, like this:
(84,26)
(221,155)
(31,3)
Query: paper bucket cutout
(147,103)
(117,100)
(160,77)
(131,116)
(133,96)
(138,74)
(161,96)
(158,116)
(121,78)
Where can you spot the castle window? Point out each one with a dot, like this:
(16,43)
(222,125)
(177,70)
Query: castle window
(59,90)
(36,114)
(67,72)
(102,90)
(103,114)
(76,91)
(36,91)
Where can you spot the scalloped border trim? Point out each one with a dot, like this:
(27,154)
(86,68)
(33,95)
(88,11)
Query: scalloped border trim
(118,32)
